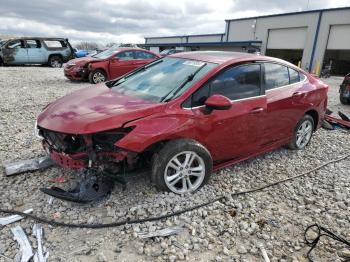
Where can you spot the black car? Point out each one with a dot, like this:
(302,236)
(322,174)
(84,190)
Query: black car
(345,90)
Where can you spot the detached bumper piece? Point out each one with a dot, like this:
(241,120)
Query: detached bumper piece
(90,188)
(331,122)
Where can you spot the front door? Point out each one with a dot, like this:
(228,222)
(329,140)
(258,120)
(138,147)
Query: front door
(15,53)
(121,64)
(236,132)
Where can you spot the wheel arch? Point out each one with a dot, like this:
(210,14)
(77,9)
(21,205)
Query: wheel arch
(55,54)
(315,116)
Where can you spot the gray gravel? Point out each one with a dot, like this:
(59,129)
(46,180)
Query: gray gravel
(275,218)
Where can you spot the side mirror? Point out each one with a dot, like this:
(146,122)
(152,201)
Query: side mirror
(218,102)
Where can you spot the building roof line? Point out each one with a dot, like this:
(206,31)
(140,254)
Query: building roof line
(153,37)
(233,43)
(291,13)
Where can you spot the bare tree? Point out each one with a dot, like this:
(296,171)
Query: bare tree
(86,46)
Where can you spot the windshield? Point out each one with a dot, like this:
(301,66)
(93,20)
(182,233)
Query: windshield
(105,54)
(161,78)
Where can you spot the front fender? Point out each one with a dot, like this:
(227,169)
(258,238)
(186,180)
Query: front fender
(152,130)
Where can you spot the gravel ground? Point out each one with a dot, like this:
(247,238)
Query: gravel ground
(275,218)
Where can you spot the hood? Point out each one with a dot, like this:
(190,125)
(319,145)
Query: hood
(82,61)
(94,109)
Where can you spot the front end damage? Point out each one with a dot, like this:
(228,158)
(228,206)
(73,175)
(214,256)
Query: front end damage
(100,161)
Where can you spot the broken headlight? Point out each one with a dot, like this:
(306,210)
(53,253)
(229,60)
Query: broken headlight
(104,141)
(36,131)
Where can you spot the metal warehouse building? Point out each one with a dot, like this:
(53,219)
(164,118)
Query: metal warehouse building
(312,39)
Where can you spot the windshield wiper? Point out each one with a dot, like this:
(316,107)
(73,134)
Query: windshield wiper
(189,78)
(121,80)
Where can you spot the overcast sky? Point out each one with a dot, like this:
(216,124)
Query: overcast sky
(131,20)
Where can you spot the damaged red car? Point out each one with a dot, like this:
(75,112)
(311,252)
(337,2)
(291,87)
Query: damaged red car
(185,116)
(107,65)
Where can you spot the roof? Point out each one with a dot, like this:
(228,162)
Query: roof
(217,57)
(291,13)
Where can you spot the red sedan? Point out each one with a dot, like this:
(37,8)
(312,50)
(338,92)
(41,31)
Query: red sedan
(185,116)
(108,64)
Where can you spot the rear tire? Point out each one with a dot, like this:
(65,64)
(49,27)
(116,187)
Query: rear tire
(343,99)
(302,133)
(97,76)
(55,61)
(181,166)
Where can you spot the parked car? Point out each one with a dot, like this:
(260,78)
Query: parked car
(108,64)
(345,90)
(184,116)
(166,52)
(33,50)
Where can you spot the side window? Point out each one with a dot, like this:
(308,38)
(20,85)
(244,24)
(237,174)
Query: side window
(237,82)
(293,76)
(199,97)
(53,43)
(33,44)
(143,55)
(14,44)
(125,56)
(302,76)
(275,76)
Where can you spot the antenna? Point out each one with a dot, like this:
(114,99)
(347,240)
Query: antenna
(308,3)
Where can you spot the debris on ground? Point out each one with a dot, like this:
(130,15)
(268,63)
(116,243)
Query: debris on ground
(14,218)
(40,255)
(20,236)
(90,188)
(161,233)
(59,180)
(27,165)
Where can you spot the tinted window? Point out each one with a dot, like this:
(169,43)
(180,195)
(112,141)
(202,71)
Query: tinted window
(143,55)
(293,76)
(199,97)
(275,76)
(237,82)
(127,55)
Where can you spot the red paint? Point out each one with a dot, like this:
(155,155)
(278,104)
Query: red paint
(112,66)
(246,127)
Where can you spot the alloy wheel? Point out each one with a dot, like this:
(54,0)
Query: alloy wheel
(98,77)
(184,172)
(304,134)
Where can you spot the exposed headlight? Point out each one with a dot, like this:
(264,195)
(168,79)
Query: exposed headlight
(36,131)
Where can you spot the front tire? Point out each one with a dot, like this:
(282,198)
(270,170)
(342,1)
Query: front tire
(181,166)
(55,61)
(97,76)
(302,133)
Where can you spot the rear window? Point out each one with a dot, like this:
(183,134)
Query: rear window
(293,76)
(275,76)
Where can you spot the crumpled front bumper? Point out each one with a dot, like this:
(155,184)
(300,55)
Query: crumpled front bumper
(76,73)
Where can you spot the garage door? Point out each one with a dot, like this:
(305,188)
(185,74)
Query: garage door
(339,37)
(287,38)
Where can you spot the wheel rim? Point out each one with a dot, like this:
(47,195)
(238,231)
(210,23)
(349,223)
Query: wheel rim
(304,134)
(55,63)
(185,172)
(98,77)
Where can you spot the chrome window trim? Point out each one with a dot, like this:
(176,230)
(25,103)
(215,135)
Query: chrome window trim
(272,89)
(232,101)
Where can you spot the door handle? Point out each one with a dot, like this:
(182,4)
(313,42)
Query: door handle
(256,110)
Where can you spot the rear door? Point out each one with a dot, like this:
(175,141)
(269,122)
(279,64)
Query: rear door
(36,54)
(15,52)
(236,132)
(123,64)
(283,87)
